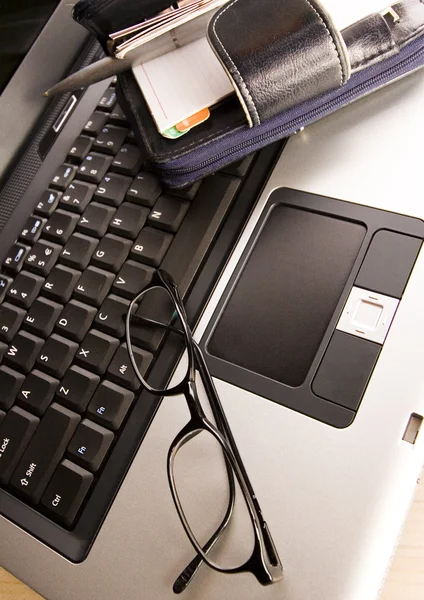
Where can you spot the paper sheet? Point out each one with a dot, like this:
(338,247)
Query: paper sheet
(183,82)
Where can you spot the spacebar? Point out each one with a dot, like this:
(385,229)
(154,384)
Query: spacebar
(44,452)
(199,228)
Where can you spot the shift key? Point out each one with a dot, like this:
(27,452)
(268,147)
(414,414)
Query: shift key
(44,452)
(16,431)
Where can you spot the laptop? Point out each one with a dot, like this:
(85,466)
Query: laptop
(321,380)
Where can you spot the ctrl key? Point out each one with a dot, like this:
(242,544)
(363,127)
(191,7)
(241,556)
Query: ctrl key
(16,430)
(66,492)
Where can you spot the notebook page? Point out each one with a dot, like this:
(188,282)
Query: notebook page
(182,82)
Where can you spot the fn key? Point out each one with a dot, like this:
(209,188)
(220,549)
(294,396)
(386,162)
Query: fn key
(66,492)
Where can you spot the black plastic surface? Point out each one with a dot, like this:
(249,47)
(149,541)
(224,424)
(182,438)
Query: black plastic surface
(345,370)
(301,398)
(286,295)
(388,263)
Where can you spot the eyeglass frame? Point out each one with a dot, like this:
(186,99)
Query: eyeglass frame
(264,562)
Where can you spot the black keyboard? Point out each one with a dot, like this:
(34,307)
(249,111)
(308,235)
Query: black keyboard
(93,241)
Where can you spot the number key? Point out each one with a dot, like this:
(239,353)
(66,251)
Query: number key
(94,167)
(42,257)
(60,226)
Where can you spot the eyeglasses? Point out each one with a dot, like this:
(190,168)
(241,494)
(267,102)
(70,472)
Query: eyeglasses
(169,317)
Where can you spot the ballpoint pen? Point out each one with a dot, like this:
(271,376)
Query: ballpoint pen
(131,51)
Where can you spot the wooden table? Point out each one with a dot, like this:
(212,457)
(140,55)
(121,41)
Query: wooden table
(405,581)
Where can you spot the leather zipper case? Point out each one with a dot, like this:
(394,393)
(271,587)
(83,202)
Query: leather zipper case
(289,69)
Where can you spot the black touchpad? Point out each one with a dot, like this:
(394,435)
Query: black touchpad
(286,294)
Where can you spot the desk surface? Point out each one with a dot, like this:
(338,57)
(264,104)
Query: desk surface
(405,580)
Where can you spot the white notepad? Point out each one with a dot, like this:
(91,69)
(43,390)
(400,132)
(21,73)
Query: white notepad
(182,82)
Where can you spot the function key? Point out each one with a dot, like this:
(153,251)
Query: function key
(64,176)
(110,405)
(128,160)
(110,139)
(66,492)
(117,116)
(112,189)
(47,203)
(5,281)
(95,221)
(15,258)
(80,148)
(108,99)
(89,445)
(32,229)
(168,213)
(94,167)
(144,190)
(95,123)
(77,196)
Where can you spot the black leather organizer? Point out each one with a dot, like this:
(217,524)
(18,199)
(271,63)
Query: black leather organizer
(277,330)
(287,61)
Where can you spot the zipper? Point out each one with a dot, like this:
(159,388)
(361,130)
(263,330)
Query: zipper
(295,124)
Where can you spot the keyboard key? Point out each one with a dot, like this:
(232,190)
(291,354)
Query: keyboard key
(32,230)
(5,282)
(132,279)
(37,392)
(23,351)
(157,307)
(24,289)
(64,176)
(16,430)
(144,190)
(96,351)
(128,160)
(56,355)
(78,251)
(94,167)
(121,371)
(95,123)
(48,202)
(77,196)
(80,148)
(168,213)
(186,193)
(60,284)
(11,318)
(75,320)
(117,116)
(77,388)
(2,416)
(110,139)
(15,258)
(129,220)
(108,100)
(111,253)
(110,405)
(60,226)
(42,257)
(66,492)
(94,286)
(95,221)
(111,316)
(44,452)
(89,445)
(10,384)
(151,246)
(112,189)
(42,317)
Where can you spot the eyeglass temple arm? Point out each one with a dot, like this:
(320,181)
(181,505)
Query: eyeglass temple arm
(185,578)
